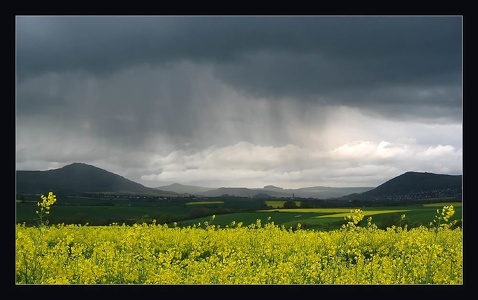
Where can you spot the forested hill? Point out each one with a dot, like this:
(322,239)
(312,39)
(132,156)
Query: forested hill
(414,185)
(78,178)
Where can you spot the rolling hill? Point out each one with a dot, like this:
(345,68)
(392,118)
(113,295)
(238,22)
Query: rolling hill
(79,178)
(319,192)
(408,186)
(412,186)
(184,189)
(84,178)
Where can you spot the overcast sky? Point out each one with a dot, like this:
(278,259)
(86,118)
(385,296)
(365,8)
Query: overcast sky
(241,101)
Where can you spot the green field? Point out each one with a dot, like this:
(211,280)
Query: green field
(332,218)
(188,212)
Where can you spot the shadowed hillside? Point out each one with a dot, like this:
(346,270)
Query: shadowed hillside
(83,178)
(76,178)
(412,186)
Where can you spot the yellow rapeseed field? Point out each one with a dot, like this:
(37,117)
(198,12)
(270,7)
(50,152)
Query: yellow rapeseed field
(254,254)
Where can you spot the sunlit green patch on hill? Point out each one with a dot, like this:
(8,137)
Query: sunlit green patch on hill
(279,203)
(204,202)
(366,213)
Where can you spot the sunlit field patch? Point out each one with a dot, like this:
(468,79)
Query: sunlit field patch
(365,212)
(279,203)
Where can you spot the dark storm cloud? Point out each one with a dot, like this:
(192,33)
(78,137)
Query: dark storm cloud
(424,44)
(104,44)
(204,97)
(313,58)
(365,59)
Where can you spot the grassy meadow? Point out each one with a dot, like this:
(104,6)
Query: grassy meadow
(333,218)
(186,212)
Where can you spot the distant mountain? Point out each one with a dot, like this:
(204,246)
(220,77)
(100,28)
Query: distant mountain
(238,192)
(321,192)
(414,185)
(333,192)
(78,178)
(83,178)
(408,186)
(184,189)
(273,188)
